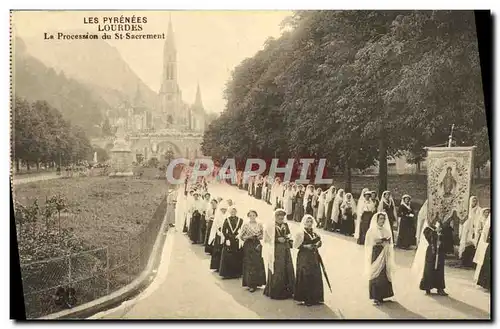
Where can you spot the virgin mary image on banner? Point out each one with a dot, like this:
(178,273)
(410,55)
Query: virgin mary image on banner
(448,183)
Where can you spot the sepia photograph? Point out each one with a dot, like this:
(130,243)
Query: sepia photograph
(251,164)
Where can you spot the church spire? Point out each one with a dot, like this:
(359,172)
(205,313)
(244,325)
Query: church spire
(198,103)
(170,40)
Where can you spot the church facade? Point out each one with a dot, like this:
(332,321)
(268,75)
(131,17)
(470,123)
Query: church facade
(173,127)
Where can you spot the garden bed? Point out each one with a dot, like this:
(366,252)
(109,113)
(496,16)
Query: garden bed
(100,211)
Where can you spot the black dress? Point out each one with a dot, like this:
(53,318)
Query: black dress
(231,263)
(309,205)
(299,206)
(208,247)
(328,222)
(254,274)
(216,254)
(309,281)
(389,210)
(433,276)
(280,284)
(484,279)
(194,227)
(364,225)
(347,227)
(380,287)
(407,229)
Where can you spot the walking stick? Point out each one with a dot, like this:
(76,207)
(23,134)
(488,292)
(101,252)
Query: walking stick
(438,245)
(320,260)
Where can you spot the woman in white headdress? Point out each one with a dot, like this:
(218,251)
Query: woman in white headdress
(288,198)
(180,209)
(231,261)
(379,258)
(474,210)
(480,220)
(406,232)
(321,209)
(330,196)
(315,203)
(309,281)
(428,264)
(388,206)
(359,211)
(299,203)
(469,236)
(210,216)
(252,232)
(278,258)
(308,199)
(365,217)
(216,238)
(482,275)
(198,206)
(335,217)
(348,212)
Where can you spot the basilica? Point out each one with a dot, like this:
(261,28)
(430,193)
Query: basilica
(173,125)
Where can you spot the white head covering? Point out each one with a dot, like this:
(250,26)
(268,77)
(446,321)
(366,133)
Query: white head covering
(473,215)
(386,257)
(403,204)
(349,203)
(330,194)
(359,212)
(218,221)
(336,204)
(269,237)
(469,230)
(389,201)
(299,237)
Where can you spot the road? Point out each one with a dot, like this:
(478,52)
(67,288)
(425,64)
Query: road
(185,288)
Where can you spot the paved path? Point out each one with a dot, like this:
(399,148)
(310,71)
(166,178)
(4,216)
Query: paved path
(34,178)
(185,288)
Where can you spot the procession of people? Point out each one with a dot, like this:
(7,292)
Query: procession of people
(241,245)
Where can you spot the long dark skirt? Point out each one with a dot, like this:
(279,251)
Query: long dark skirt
(448,239)
(299,210)
(231,261)
(380,287)
(202,230)
(208,247)
(280,284)
(347,227)
(309,282)
(433,278)
(468,256)
(194,228)
(484,279)
(366,217)
(185,228)
(406,234)
(216,254)
(258,192)
(254,274)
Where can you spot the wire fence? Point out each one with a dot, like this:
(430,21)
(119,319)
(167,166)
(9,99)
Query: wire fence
(60,283)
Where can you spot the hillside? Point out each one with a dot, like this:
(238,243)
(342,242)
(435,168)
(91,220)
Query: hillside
(96,64)
(33,81)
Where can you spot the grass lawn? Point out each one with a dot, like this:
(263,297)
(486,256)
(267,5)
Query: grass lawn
(101,211)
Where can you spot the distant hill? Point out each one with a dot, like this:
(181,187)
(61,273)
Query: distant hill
(97,64)
(33,81)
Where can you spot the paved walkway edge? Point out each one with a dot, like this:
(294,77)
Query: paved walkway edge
(131,290)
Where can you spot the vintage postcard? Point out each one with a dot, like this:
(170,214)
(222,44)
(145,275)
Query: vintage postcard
(327,164)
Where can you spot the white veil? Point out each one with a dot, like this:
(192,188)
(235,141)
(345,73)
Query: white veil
(467,230)
(359,212)
(180,209)
(269,237)
(421,221)
(218,221)
(418,265)
(482,244)
(299,237)
(336,204)
(386,257)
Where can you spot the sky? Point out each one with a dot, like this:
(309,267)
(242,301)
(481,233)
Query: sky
(210,44)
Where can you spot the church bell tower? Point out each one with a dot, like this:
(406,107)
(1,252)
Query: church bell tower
(169,91)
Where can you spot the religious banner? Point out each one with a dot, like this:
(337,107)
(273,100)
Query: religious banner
(449,177)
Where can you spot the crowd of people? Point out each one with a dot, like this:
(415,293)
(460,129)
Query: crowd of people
(243,247)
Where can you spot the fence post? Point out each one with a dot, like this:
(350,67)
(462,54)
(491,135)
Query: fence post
(107,270)
(129,257)
(69,270)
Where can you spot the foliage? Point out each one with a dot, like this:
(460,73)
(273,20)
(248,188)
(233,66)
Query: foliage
(355,87)
(41,135)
